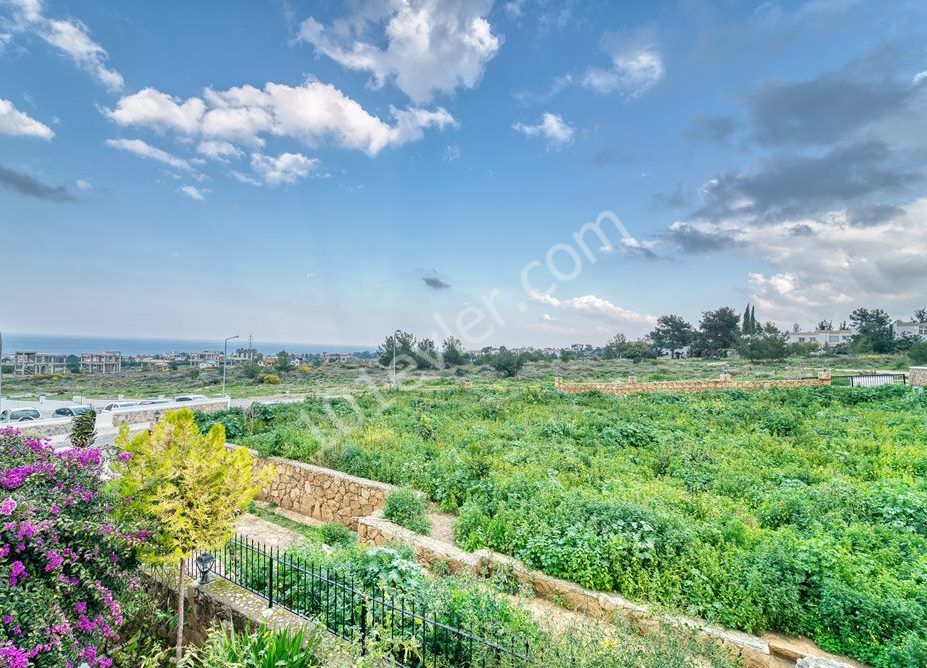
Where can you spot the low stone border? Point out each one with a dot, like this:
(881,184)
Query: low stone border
(769,651)
(917,376)
(724,382)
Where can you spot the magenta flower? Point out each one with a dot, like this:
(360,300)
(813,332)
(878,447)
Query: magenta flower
(8,506)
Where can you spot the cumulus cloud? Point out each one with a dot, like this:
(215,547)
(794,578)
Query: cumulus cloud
(700,238)
(15,122)
(713,129)
(593,306)
(219,150)
(284,169)
(552,127)
(71,37)
(636,67)
(25,184)
(424,47)
(312,113)
(156,110)
(145,150)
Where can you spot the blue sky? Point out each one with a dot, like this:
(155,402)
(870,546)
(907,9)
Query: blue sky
(329,171)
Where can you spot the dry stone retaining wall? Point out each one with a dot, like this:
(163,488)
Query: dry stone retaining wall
(320,493)
(722,383)
(917,376)
(153,413)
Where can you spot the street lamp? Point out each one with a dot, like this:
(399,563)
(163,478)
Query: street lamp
(225,358)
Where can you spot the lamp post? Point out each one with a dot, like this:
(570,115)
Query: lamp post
(225,356)
(395,383)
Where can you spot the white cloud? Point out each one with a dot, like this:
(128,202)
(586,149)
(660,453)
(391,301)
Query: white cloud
(71,37)
(193,192)
(219,150)
(919,77)
(286,168)
(424,46)
(312,113)
(153,109)
(637,66)
(145,150)
(558,132)
(82,184)
(593,306)
(16,123)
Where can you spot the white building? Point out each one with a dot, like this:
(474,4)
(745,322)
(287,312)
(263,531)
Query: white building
(911,328)
(826,338)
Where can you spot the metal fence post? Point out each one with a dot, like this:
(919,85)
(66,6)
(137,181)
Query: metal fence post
(363,625)
(270,582)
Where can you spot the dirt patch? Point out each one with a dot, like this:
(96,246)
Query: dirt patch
(267,533)
(442,527)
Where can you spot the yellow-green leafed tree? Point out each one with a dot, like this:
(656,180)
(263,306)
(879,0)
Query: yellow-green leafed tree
(189,486)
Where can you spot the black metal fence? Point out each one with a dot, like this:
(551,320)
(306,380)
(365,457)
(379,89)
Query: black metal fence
(870,380)
(412,634)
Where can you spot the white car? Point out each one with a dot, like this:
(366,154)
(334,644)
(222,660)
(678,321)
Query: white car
(152,402)
(20,415)
(189,397)
(116,405)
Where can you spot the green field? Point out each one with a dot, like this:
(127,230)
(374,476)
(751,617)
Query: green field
(800,511)
(337,378)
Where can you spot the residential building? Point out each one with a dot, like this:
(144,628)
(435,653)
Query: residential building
(910,328)
(826,338)
(31,363)
(107,362)
(334,358)
(205,359)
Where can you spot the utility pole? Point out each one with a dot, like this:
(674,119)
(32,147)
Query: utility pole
(1,371)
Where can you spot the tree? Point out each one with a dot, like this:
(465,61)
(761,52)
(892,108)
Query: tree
(873,331)
(187,485)
(766,344)
(426,357)
(718,330)
(83,429)
(745,321)
(454,354)
(404,347)
(250,370)
(283,363)
(918,353)
(613,348)
(507,362)
(920,315)
(825,325)
(672,333)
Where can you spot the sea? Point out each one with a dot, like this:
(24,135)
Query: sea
(76,345)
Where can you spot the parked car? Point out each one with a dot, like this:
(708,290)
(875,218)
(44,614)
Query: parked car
(152,402)
(19,415)
(119,404)
(72,411)
(190,397)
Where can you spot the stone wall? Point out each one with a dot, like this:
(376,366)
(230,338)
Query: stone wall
(154,413)
(769,651)
(724,382)
(320,493)
(917,376)
(43,428)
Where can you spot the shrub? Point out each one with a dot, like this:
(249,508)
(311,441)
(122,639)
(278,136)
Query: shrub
(83,429)
(270,379)
(64,565)
(407,508)
(227,648)
(918,353)
(334,534)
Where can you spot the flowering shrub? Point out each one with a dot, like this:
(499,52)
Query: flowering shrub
(63,563)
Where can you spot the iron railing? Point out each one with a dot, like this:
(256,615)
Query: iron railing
(413,634)
(869,380)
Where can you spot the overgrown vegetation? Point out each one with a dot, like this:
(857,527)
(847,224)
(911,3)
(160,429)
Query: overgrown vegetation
(801,511)
(407,508)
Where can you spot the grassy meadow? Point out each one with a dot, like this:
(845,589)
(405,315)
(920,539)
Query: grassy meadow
(800,511)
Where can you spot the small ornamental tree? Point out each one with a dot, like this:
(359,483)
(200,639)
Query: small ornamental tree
(83,429)
(190,486)
(65,565)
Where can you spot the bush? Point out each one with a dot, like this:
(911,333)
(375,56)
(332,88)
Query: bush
(83,429)
(65,567)
(918,353)
(227,648)
(407,508)
(270,379)
(334,534)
